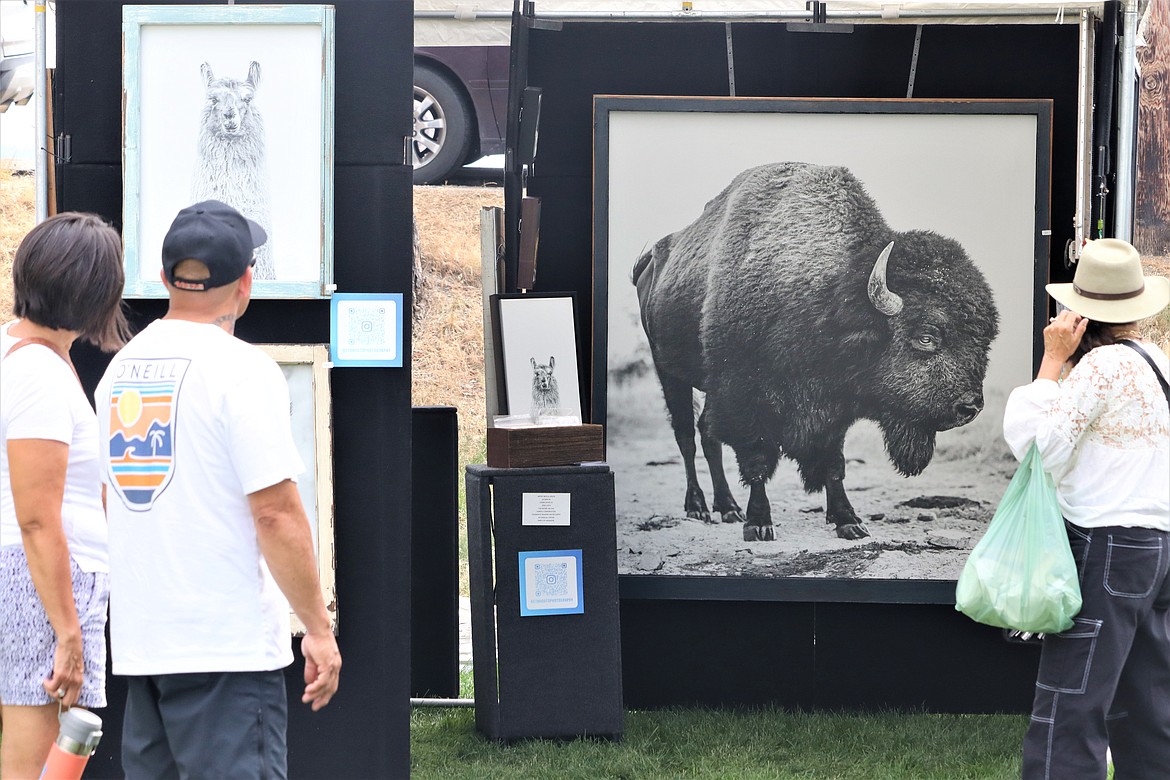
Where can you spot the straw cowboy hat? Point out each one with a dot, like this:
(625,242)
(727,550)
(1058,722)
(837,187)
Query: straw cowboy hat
(1109,286)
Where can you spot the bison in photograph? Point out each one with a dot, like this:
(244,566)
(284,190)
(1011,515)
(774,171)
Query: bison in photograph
(796,310)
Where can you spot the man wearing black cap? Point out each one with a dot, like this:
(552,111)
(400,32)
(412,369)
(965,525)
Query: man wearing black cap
(208,537)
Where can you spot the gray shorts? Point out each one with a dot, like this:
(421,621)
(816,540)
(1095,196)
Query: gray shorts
(212,725)
(27,641)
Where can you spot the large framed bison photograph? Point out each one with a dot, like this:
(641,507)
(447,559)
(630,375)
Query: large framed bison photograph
(808,314)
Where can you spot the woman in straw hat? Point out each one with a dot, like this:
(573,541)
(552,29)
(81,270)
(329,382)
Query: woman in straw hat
(1099,413)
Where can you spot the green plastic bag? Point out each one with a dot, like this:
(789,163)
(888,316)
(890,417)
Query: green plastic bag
(1021,575)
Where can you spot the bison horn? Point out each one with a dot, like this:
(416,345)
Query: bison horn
(886,302)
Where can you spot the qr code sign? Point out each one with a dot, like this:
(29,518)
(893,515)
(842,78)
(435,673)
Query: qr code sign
(367,326)
(551,579)
(550,582)
(367,331)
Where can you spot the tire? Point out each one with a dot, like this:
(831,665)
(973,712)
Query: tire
(442,126)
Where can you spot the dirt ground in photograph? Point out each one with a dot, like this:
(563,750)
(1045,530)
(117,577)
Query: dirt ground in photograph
(920,527)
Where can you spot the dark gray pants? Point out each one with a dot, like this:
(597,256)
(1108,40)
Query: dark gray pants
(1106,681)
(215,725)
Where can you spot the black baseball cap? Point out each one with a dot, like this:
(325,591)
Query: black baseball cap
(216,235)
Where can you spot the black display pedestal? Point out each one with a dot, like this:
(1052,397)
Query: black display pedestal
(544,675)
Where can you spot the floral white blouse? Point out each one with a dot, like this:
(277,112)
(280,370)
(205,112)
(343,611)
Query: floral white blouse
(1103,433)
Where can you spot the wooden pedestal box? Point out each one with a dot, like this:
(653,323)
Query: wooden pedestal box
(561,445)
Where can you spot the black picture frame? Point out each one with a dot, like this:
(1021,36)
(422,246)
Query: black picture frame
(658,160)
(525,327)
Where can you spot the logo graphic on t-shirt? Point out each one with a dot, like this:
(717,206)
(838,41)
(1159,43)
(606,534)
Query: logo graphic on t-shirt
(142,428)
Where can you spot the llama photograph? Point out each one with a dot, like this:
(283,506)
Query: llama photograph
(546,396)
(802,364)
(230,159)
(536,349)
(232,103)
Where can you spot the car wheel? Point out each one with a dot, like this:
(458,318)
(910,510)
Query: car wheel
(442,126)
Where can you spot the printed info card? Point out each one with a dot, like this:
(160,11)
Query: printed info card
(545,509)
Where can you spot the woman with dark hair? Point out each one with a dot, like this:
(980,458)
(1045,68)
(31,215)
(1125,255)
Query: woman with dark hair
(1099,414)
(67,282)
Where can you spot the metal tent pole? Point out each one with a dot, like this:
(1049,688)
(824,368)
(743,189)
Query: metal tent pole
(1126,124)
(1082,218)
(42,127)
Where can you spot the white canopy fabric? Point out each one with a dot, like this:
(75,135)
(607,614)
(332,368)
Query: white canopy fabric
(488,22)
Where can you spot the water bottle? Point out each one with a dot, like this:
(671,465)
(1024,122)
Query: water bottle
(80,733)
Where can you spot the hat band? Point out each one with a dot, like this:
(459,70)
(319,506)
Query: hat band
(1109,296)
(198,285)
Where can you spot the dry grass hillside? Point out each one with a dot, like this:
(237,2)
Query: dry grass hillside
(17,216)
(447,348)
(448,338)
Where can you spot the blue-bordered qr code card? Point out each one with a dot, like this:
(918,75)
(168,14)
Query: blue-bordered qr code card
(365,329)
(551,583)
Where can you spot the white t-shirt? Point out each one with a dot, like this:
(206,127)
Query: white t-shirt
(1104,435)
(192,420)
(40,398)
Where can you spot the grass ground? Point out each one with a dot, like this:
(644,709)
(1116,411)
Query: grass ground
(705,743)
(723,744)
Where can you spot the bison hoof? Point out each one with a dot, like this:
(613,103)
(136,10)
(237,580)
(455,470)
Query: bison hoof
(759,533)
(852,531)
(734,516)
(700,514)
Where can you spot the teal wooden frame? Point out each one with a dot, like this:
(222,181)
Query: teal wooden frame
(134,18)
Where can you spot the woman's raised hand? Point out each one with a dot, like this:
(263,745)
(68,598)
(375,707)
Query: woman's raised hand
(1063,335)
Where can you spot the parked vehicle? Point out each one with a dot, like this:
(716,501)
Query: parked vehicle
(460,107)
(460,84)
(17,54)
